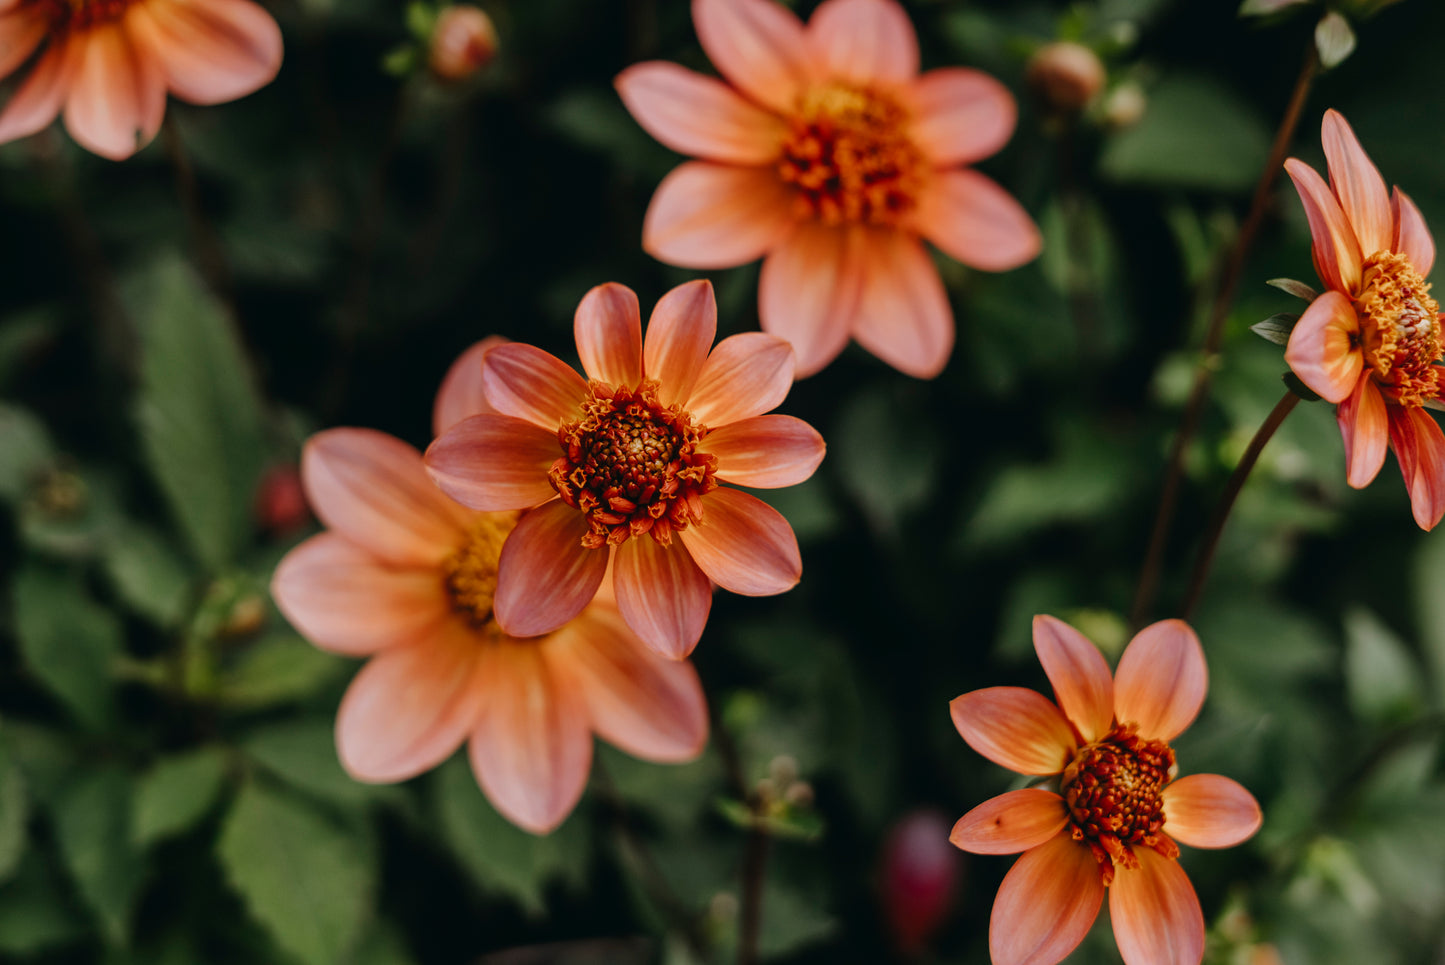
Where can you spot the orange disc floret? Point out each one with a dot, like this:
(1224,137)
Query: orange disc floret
(1401,327)
(1114,792)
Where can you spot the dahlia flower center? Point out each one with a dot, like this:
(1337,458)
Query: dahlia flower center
(81,14)
(631,466)
(849,156)
(1114,792)
(471,571)
(1400,327)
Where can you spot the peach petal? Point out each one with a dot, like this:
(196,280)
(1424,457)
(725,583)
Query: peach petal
(494,462)
(745,375)
(1336,252)
(662,595)
(1083,686)
(809,290)
(1012,822)
(209,52)
(1155,913)
(679,335)
(960,115)
(744,545)
(758,45)
(21,31)
(866,41)
(903,315)
(461,394)
(1324,350)
(699,115)
(1016,728)
(1161,680)
(34,105)
(1046,904)
(1365,429)
(117,97)
(1358,185)
(1210,811)
(524,381)
(1412,236)
(977,222)
(1420,449)
(765,452)
(608,329)
(708,215)
(545,575)
(532,747)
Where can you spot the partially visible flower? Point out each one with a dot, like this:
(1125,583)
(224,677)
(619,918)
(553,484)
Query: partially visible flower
(462,42)
(407,577)
(824,151)
(1066,75)
(109,63)
(1372,342)
(1110,817)
(627,467)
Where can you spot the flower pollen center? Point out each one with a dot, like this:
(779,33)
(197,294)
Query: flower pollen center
(1114,792)
(1401,328)
(471,571)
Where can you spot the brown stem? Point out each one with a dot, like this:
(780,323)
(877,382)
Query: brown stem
(755,865)
(209,253)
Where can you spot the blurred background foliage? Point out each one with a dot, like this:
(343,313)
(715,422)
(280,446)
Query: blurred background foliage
(172,328)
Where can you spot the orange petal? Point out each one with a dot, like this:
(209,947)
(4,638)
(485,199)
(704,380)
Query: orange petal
(765,452)
(651,707)
(1015,728)
(1046,904)
(209,52)
(1336,252)
(461,394)
(866,41)
(679,335)
(494,462)
(1161,680)
(21,31)
(1012,822)
(809,290)
(1082,683)
(118,95)
(662,595)
(744,545)
(1357,183)
(903,314)
(1155,913)
(39,98)
(744,376)
(1412,236)
(707,215)
(1210,811)
(977,222)
(608,329)
(960,115)
(1420,449)
(373,489)
(345,600)
(758,45)
(531,749)
(524,381)
(1365,430)
(1324,348)
(698,115)
(545,575)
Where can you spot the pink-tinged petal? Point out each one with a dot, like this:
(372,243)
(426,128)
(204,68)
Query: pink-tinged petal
(765,452)
(758,45)
(707,215)
(545,575)
(960,115)
(532,747)
(1357,183)
(117,97)
(744,545)
(1083,686)
(1336,252)
(209,52)
(608,329)
(1046,904)
(345,600)
(410,707)
(1155,913)
(863,40)
(650,707)
(1012,822)
(1412,236)
(1016,728)
(373,489)
(1420,449)
(1210,811)
(1365,429)
(974,220)
(524,381)
(1161,680)
(461,394)
(744,375)
(679,335)
(34,105)
(662,595)
(809,290)
(494,462)
(698,115)
(903,315)
(20,33)
(1324,348)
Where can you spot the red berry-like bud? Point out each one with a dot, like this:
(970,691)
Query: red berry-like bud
(1066,75)
(462,43)
(920,876)
(280,505)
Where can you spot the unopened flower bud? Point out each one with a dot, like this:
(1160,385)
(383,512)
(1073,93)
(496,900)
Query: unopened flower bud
(462,42)
(799,795)
(247,616)
(1065,75)
(280,505)
(919,878)
(783,769)
(1125,105)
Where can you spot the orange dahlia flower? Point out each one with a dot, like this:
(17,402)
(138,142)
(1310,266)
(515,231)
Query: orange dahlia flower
(407,577)
(826,151)
(1110,817)
(1372,342)
(109,63)
(626,467)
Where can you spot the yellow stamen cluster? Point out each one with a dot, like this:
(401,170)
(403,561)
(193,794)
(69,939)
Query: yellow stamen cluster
(471,571)
(1114,792)
(1401,328)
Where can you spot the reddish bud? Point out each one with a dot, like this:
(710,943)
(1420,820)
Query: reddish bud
(1065,75)
(462,43)
(280,505)
(920,876)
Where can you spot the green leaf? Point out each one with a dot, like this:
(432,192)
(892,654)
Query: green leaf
(35,912)
(147,575)
(1296,288)
(1334,39)
(68,641)
(279,668)
(1382,677)
(308,881)
(25,450)
(794,825)
(303,753)
(1276,328)
(176,793)
(93,828)
(1262,8)
(887,461)
(14,810)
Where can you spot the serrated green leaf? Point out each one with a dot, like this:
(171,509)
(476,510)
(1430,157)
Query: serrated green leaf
(279,668)
(147,574)
(1276,328)
(1382,677)
(92,827)
(1334,39)
(68,640)
(303,753)
(25,449)
(176,793)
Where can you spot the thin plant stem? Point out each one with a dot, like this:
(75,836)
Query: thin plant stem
(1214,335)
(1231,492)
(209,253)
(755,866)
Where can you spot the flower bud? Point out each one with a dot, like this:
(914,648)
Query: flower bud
(462,43)
(1065,75)
(1125,105)
(919,878)
(280,506)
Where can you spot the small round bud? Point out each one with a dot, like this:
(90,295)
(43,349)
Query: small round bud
(246,617)
(280,506)
(765,791)
(919,879)
(783,769)
(1125,105)
(462,43)
(799,795)
(1065,75)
